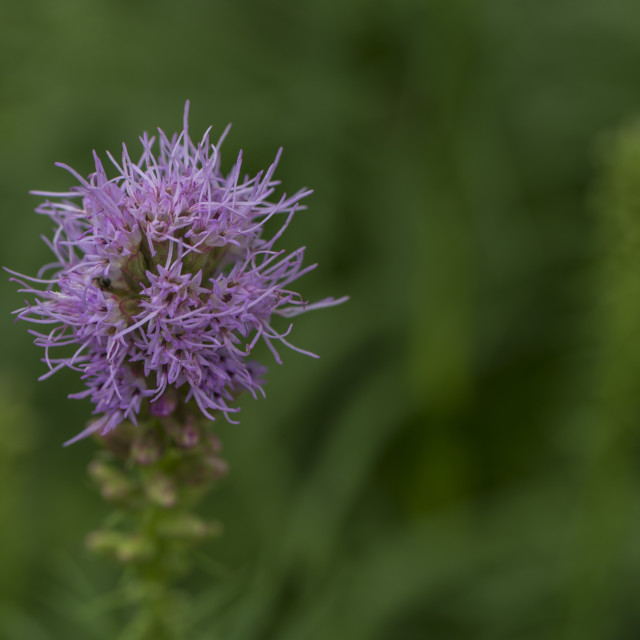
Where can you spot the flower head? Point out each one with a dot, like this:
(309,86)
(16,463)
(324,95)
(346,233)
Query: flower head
(164,282)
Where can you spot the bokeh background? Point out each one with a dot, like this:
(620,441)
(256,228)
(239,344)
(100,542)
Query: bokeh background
(462,462)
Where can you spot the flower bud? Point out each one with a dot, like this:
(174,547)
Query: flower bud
(218,468)
(147,448)
(185,435)
(185,526)
(214,443)
(114,485)
(123,546)
(119,440)
(165,405)
(161,490)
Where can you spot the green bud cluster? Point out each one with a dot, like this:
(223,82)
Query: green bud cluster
(155,473)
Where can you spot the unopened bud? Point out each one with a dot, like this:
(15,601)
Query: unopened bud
(165,405)
(123,546)
(119,440)
(188,527)
(189,436)
(147,448)
(214,443)
(185,435)
(217,466)
(162,491)
(114,485)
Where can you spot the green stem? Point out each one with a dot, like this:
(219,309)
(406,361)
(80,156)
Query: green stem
(156,480)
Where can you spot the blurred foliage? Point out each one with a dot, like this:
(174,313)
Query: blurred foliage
(463,460)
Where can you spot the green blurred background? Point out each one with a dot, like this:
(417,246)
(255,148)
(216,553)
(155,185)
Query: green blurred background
(462,462)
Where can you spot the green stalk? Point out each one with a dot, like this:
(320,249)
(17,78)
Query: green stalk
(155,474)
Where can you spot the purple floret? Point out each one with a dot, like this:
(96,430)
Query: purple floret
(164,282)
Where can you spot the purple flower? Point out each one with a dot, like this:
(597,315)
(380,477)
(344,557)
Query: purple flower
(163,282)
